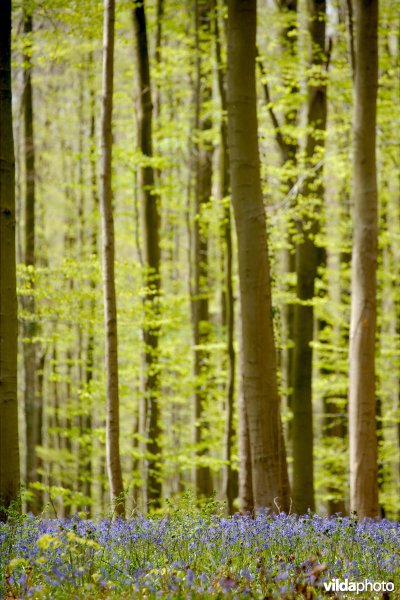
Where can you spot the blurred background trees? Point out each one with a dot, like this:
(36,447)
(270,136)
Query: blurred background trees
(177,282)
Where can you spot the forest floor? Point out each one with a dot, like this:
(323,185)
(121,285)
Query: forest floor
(198,553)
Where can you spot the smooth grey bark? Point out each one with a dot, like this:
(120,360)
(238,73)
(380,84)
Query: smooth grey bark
(362,403)
(260,390)
(9,451)
(108,250)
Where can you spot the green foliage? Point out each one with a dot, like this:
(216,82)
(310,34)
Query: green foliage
(66,282)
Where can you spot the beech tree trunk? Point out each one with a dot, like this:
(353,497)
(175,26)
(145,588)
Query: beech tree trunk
(203,151)
(29,328)
(230,483)
(260,391)
(82,445)
(86,457)
(307,259)
(9,453)
(57,441)
(110,305)
(289,158)
(362,403)
(150,201)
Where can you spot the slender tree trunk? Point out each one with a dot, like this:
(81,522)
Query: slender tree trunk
(87,442)
(40,370)
(9,452)
(201,320)
(231,483)
(81,255)
(68,475)
(150,201)
(68,469)
(135,451)
(57,439)
(362,403)
(230,476)
(32,408)
(380,437)
(307,260)
(157,57)
(86,458)
(289,159)
(260,388)
(110,304)
(397,405)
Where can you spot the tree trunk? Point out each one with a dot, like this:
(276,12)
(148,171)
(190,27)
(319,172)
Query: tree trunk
(230,483)
(81,255)
(307,258)
(9,453)
(362,404)
(110,305)
(69,474)
(55,471)
(32,408)
(289,158)
(260,389)
(86,458)
(200,302)
(150,200)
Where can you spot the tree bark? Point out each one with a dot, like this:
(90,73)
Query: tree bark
(108,248)
(31,405)
(200,302)
(289,158)
(260,389)
(9,453)
(150,201)
(307,259)
(230,483)
(86,458)
(245,479)
(362,403)
(55,471)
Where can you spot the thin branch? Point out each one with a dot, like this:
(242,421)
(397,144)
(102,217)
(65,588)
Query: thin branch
(328,54)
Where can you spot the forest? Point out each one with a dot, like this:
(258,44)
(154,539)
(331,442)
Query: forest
(199,300)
